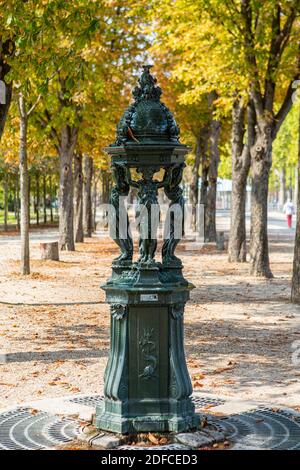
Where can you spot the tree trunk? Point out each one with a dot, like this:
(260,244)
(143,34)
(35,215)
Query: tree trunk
(45,198)
(16,201)
(87,196)
(295,296)
(78,183)
(261,161)
(66,224)
(210,232)
(5,193)
(51,197)
(240,168)
(29,200)
(295,198)
(25,266)
(37,200)
(95,201)
(194,186)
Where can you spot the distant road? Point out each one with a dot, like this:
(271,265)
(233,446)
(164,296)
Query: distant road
(277,227)
(36,236)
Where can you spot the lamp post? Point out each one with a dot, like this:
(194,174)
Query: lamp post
(147,385)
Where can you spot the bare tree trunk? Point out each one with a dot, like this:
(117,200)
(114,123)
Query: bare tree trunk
(201,158)
(203,142)
(16,201)
(5,191)
(295,198)
(240,168)
(29,200)
(194,186)
(45,198)
(261,161)
(95,200)
(37,200)
(87,196)
(66,225)
(295,295)
(78,211)
(204,184)
(210,231)
(25,262)
(51,197)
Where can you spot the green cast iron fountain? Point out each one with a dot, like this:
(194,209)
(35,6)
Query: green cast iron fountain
(147,385)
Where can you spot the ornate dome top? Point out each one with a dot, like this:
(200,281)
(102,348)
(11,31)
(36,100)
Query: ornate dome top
(147,120)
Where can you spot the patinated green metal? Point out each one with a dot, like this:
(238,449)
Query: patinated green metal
(147,385)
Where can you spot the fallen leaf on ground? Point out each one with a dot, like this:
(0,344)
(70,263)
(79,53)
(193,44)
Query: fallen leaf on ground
(153,439)
(198,376)
(163,441)
(223,369)
(197,384)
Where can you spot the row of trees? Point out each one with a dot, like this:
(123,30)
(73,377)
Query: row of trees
(228,69)
(42,182)
(66,63)
(242,57)
(43,179)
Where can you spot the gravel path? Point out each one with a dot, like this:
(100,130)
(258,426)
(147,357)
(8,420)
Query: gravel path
(54,325)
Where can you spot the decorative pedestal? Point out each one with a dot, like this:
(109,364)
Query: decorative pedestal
(147,385)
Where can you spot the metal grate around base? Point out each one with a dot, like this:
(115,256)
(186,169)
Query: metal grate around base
(23,429)
(198,401)
(88,401)
(260,428)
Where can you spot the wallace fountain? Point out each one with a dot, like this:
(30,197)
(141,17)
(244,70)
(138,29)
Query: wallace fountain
(147,385)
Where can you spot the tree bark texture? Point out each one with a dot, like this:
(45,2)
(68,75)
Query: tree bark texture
(66,224)
(194,185)
(5,193)
(87,196)
(17,201)
(95,187)
(45,198)
(240,169)
(261,161)
(51,197)
(24,188)
(37,197)
(201,158)
(295,294)
(78,187)
(210,233)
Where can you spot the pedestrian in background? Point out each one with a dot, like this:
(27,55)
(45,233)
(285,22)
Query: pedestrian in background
(289,210)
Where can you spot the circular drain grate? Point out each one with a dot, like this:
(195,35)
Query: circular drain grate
(261,428)
(201,402)
(20,429)
(88,401)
